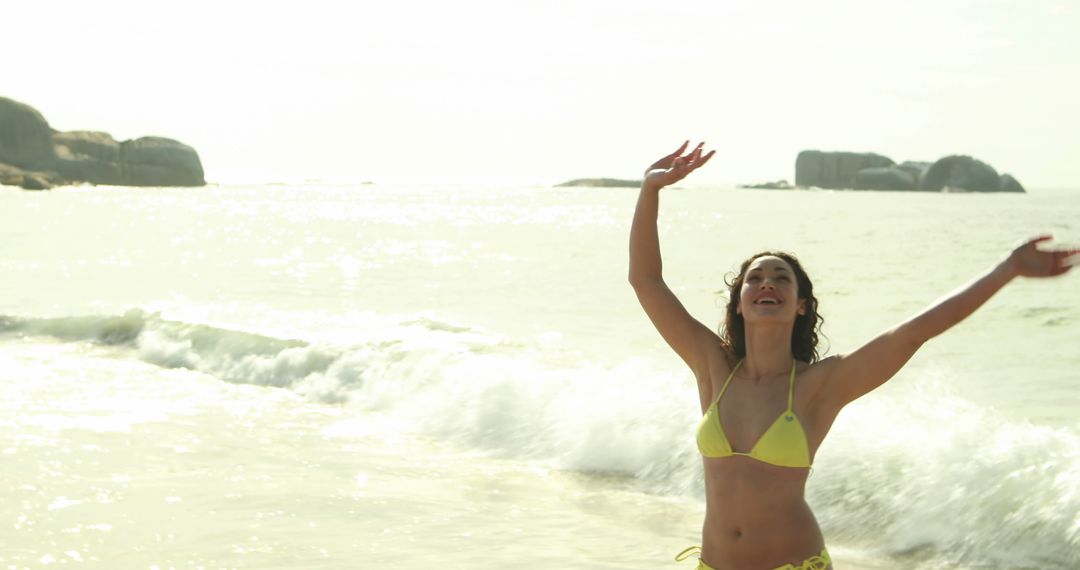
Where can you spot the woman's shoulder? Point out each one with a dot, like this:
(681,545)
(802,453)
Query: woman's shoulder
(814,376)
(820,369)
(727,359)
(719,362)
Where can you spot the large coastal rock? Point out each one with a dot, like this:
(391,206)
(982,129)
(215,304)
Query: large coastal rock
(27,179)
(1009,184)
(32,154)
(917,169)
(88,156)
(25,135)
(157,161)
(958,172)
(884,178)
(869,171)
(834,169)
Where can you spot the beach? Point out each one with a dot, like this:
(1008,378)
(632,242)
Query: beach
(458,375)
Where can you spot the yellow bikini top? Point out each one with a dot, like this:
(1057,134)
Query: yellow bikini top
(783,444)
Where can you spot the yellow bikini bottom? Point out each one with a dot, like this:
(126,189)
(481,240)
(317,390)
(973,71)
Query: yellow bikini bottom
(815,562)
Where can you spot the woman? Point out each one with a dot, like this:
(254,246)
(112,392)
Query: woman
(767,400)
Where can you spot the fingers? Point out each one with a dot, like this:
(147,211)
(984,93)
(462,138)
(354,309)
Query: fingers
(694,156)
(697,162)
(682,147)
(689,159)
(1059,262)
(1060,266)
(1040,238)
(1032,243)
(678,152)
(706,159)
(1049,262)
(683,164)
(667,161)
(1066,260)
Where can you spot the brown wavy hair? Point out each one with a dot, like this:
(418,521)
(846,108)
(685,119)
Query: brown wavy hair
(804,334)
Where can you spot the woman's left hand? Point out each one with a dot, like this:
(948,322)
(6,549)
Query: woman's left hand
(1029,261)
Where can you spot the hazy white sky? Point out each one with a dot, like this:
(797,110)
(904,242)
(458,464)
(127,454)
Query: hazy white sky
(549,90)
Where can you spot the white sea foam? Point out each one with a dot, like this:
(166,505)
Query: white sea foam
(948,480)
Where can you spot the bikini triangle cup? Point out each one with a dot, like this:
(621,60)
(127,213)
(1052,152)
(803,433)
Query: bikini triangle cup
(784,444)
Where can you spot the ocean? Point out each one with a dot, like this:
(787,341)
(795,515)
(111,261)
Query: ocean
(449,375)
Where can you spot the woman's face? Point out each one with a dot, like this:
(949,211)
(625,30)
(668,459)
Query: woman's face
(770,292)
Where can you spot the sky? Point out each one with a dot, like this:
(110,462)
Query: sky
(549,90)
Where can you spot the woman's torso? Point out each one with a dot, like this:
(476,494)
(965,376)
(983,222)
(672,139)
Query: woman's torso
(756,513)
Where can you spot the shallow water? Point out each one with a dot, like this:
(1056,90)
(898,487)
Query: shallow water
(326,376)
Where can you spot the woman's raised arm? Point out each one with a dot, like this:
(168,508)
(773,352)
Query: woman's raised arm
(682,332)
(872,364)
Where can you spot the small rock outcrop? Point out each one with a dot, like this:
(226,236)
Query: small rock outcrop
(27,179)
(601,183)
(33,154)
(777,185)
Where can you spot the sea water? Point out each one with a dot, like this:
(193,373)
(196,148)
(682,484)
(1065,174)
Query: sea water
(459,376)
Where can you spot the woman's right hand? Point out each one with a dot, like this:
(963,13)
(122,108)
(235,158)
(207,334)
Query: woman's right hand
(674,167)
(1027,260)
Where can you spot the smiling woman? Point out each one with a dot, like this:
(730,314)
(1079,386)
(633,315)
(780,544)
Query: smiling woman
(779,270)
(757,517)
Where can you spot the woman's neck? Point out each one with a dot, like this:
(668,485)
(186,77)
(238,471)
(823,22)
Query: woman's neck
(768,350)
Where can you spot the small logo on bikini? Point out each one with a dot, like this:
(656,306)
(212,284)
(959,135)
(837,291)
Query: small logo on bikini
(789,418)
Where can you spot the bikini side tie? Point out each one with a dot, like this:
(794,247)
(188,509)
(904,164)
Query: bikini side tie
(687,553)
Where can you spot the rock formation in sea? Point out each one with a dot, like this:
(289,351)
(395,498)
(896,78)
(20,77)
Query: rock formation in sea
(967,174)
(869,171)
(35,156)
(601,183)
(834,169)
(775,185)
